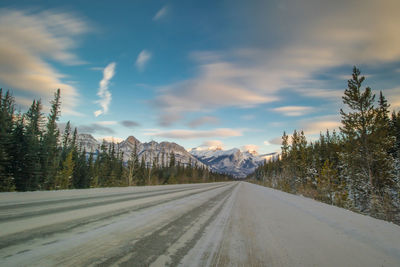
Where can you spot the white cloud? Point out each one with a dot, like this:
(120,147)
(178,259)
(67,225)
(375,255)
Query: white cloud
(142,59)
(320,124)
(106,122)
(250,148)
(192,134)
(293,110)
(110,139)
(104,93)
(267,143)
(161,13)
(28,41)
(211,145)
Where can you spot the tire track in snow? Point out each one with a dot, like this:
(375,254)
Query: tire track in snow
(68,225)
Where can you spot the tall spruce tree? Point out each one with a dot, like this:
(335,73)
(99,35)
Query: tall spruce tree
(6,128)
(358,126)
(50,149)
(34,135)
(20,162)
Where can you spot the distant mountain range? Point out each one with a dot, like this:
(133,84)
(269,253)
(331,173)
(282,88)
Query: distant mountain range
(234,161)
(151,151)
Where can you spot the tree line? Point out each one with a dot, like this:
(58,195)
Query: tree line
(34,155)
(357,168)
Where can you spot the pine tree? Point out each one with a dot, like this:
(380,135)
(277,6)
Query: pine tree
(93,178)
(384,180)
(50,144)
(131,168)
(358,125)
(20,162)
(7,182)
(172,160)
(34,135)
(327,183)
(63,179)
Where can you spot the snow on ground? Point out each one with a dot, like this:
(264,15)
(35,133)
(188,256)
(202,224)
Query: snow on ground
(220,224)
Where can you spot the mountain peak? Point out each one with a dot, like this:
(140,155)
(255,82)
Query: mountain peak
(232,161)
(131,139)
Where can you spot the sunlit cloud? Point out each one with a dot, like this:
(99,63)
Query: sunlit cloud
(28,41)
(267,143)
(250,148)
(161,13)
(193,134)
(110,139)
(142,59)
(104,93)
(293,110)
(320,124)
(106,122)
(211,145)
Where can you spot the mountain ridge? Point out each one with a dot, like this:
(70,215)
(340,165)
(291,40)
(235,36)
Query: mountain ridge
(232,161)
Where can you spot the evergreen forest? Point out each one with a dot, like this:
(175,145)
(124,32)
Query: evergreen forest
(35,156)
(357,168)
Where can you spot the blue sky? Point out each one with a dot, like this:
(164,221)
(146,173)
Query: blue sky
(199,73)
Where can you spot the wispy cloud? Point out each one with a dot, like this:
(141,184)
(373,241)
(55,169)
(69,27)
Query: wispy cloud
(193,134)
(203,120)
(321,38)
(28,41)
(161,13)
(142,59)
(104,93)
(293,110)
(219,84)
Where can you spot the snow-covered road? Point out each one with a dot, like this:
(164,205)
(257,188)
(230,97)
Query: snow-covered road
(218,224)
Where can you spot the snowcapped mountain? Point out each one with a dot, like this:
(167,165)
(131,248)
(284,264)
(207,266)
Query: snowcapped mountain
(233,161)
(151,151)
(88,142)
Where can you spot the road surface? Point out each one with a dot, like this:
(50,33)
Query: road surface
(217,224)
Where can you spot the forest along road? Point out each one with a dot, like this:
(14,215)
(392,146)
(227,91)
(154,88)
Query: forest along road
(216,224)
